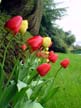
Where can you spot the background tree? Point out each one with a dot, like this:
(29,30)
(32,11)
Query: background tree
(70,38)
(62,40)
(41,14)
(29,9)
(50,14)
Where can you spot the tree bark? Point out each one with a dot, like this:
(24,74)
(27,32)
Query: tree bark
(29,9)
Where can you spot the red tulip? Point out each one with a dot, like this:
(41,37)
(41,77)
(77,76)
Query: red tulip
(43,69)
(52,56)
(65,63)
(35,42)
(14,24)
(41,54)
(38,54)
(24,47)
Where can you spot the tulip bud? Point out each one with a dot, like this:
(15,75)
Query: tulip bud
(65,63)
(41,54)
(47,52)
(24,47)
(47,42)
(14,24)
(47,60)
(35,42)
(38,54)
(43,69)
(47,49)
(24,26)
(52,56)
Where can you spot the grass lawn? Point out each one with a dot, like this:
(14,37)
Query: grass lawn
(69,81)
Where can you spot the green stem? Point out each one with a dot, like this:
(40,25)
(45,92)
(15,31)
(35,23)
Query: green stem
(6,52)
(8,81)
(57,72)
(4,57)
(11,74)
(33,77)
(38,80)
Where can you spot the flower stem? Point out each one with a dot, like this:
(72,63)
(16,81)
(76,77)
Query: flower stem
(4,57)
(8,81)
(34,77)
(57,72)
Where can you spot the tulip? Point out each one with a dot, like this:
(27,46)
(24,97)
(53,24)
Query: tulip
(65,63)
(47,60)
(14,24)
(24,26)
(43,69)
(47,42)
(38,54)
(52,56)
(35,42)
(24,47)
(42,54)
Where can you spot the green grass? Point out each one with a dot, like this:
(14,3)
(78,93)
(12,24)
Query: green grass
(69,81)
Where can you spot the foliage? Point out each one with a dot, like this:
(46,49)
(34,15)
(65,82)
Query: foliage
(61,39)
(70,38)
(29,9)
(25,84)
(14,50)
(50,14)
(59,45)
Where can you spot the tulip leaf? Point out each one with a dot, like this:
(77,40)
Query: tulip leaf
(36,91)
(47,92)
(51,92)
(28,104)
(1,78)
(29,93)
(7,95)
(21,85)
(20,95)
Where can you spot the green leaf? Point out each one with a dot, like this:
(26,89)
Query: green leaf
(29,93)
(47,92)
(8,95)
(20,95)
(21,85)
(28,104)
(34,83)
(48,96)
(51,94)
(1,78)
(36,91)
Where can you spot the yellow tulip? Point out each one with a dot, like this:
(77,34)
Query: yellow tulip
(24,26)
(47,42)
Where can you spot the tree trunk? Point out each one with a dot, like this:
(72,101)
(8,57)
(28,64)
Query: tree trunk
(29,9)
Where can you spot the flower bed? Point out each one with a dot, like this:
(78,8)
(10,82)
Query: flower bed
(25,86)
